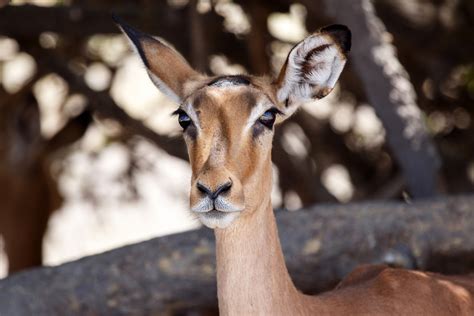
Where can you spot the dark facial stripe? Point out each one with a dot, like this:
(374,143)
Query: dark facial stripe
(198,100)
(257,130)
(249,99)
(225,81)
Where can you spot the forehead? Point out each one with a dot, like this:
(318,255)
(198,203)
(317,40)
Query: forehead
(230,93)
(229,81)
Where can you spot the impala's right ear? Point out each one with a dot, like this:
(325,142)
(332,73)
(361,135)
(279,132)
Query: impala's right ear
(168,70)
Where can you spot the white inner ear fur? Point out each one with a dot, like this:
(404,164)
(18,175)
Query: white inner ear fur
(325,68)
(163,87)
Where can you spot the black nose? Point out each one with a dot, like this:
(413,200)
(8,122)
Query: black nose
(220,189)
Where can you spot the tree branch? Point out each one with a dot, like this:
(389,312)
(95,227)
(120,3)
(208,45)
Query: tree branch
(322,244)
(77,23)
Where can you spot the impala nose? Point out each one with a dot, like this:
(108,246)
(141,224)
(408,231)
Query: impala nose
(223,188)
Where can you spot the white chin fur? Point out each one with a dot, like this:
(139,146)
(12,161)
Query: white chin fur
(221,222)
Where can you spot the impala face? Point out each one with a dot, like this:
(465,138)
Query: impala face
(228,121)
(228,128)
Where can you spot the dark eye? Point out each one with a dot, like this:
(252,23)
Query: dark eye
(184,120)
(268,118)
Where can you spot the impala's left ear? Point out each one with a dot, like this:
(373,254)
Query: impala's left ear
(313,67)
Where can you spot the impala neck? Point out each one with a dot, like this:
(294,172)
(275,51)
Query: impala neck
(251,273)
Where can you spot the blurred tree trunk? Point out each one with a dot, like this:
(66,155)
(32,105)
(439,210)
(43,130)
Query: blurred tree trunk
(259,38)
(28,192)
(199,56)
(390,92)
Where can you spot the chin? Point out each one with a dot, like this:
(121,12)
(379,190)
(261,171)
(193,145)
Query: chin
(217,219)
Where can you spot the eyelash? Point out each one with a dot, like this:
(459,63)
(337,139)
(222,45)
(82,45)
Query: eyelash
(269,123)
(275,110)
(185,123)
(177,112)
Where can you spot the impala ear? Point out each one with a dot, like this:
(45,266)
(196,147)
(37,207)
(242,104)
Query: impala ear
(168,70)
(313,66)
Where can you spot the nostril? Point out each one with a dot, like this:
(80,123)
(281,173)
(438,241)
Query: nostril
(213,195)
(221,189)
(203,189)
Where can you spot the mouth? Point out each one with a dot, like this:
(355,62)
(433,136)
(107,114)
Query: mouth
(217,219)
(215,214)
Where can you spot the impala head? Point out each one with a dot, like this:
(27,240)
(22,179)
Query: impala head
(228,121)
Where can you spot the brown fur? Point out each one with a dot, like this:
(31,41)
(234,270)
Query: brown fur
(252,278)
(251,272)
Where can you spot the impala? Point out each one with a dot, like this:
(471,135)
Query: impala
(228,124)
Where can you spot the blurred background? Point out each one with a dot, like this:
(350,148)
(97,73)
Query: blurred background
(90,158)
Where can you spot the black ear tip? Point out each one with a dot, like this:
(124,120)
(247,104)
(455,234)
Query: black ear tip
(134,35)
(120,22)
(116,19)
(341,34)
(130,31)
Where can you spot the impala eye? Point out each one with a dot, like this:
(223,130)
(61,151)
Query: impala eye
(183,119)
(268,118)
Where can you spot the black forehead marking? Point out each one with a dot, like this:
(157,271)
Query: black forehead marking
(226,81)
